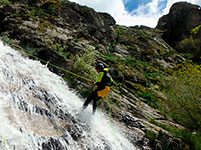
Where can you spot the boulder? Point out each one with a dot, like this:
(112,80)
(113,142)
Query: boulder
(179,22)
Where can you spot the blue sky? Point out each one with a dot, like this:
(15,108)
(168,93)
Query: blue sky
(133,12)
(130,5)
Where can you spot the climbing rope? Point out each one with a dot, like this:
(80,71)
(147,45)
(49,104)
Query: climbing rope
(3,141)
(110,118)
(55,66)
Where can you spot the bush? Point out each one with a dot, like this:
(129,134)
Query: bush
(192,44)
(183,102)
(82,64)
(51,6)
(4,2)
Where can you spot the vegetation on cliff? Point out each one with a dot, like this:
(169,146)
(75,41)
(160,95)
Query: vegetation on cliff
(192,43)
(183,99)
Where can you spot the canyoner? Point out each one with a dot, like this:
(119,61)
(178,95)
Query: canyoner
(103,83)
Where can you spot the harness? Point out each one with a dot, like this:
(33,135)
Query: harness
(104,81)
(104,78)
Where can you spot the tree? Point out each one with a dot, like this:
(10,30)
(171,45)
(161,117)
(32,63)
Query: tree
(183,92)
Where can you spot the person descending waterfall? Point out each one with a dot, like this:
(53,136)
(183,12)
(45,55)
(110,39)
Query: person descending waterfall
(103,84)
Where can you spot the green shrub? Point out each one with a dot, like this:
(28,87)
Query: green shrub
(150,98)
(191,138)
(150,134)
(40,13)
(192,45)
(82,64)
(112,47)
(144,35)
(65,54)
(110,58)
(153,77)
(54,45)
(76,40)
(132,62)
(44,25)
(129,61)
(6,40)
(183,102)
(4,2)
(51,6)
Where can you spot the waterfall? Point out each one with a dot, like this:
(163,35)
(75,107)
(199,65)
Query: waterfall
(38,111)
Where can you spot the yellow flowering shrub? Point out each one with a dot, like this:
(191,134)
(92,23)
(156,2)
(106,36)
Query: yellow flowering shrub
(183,90)
(196,29)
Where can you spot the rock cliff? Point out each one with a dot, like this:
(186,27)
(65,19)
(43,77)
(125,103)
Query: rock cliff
(137,56)
(178,24)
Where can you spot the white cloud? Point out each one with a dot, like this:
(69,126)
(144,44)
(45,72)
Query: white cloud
(197,2)
(147,14)
(111,6)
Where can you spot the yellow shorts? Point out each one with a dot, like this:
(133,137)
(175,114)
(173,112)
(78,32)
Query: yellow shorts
(104,92)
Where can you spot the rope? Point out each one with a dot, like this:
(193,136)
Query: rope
(110,110)
(110,118)
(67,71)
(4,142)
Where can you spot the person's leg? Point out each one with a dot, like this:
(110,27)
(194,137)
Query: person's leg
(88,100)
(95,104)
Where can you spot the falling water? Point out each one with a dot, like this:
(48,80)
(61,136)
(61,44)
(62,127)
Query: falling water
(39,112)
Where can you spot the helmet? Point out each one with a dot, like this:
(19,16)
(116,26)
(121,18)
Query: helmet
(100,66)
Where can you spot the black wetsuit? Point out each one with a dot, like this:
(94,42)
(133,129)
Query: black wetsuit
(103,80)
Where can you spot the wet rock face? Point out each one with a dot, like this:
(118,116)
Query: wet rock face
(52,144)
(179,22)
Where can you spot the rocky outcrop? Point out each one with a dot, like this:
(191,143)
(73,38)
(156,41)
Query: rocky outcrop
(179,22)
(137,57)
(64,22)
